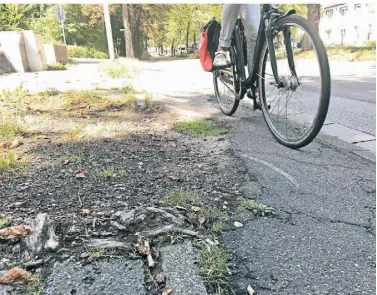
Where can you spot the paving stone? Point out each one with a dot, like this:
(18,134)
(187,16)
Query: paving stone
(180,270)
(116,277)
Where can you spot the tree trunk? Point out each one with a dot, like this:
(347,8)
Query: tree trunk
(187,35)
(127,14)
(172,47)
(314,16)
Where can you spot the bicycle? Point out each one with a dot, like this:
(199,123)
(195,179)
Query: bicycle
(270,74)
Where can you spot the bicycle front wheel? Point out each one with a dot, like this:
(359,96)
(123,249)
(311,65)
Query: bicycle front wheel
(296,107)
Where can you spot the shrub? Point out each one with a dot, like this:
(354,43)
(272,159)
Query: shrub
(85,52)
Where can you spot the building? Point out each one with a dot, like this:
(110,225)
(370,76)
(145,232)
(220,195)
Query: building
(348,24)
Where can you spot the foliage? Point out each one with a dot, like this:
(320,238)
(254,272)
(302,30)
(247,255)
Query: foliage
(85,52)
(47,26)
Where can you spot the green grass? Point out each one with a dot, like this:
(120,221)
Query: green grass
(9,162)
(14,96)
(106,173)
(184,198)
(3,221)
(76,98)
(119,69)
(214,266)
(199,128)
(56,67)
(51,91)
(345,53)
(218,226)
(97,254)
(148,101)
(254,207)
(127,89)
(9,130)
(34,288)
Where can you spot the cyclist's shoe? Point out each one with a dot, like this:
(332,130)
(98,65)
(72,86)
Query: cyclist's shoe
(221,60)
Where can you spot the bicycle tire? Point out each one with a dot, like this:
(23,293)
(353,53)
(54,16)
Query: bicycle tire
(325,84)
(235,86)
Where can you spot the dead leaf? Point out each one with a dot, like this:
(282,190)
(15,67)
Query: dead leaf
(250,290)
(195,209)
(85,212)
(15,143)
(202,219)
(172,239)
(167,291)
(80,174)
(160,278)
(15,232)
(5,144)
(16,276)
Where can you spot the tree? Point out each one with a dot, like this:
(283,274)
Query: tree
(314,14)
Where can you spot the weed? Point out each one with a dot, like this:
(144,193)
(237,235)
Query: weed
(180,197)
(78,160)
(97,254)
(34,288)
(127,89)
(256,208)
(118,69)
(84,97)
(214,266)
(199,128)
(148,100)
(106,173)
(122,173)
(10,162)
(56,67)
(51,91)
(3,221)
(71,62)
(218,226)
(9,130)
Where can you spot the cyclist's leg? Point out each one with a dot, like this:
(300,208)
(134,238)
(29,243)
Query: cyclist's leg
(228,20)
(250,15)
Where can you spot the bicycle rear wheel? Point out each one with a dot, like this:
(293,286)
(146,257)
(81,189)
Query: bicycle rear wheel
(227,87)
(298,109)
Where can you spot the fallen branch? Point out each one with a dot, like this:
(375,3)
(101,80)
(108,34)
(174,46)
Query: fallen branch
(167,229)
(108,244)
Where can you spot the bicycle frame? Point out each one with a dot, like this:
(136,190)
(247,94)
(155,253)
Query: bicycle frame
(266,31)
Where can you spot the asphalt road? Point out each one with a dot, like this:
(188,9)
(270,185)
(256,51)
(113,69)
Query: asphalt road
(321,239)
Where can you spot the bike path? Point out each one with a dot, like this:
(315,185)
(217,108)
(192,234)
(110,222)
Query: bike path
(321,239)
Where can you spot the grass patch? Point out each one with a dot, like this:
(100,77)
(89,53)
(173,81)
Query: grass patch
(51,91)
(218,226)
(97,254)
(126,89)
(34,288)
(344,53)
(214,266)
(83,98)
(148,100)
(107,173)
(9,162)
(184,198)
(254,207)
(56,67)
(78,160)
(120,68)
(71,62)
(3,221)
(9,130)
(199,128)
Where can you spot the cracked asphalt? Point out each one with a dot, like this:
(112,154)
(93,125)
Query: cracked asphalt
(321,239)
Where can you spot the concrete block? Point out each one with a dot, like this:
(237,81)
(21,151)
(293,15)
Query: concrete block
(13,57)
(35,51)
(55,53)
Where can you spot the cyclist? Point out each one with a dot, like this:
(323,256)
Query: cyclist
(250,16)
